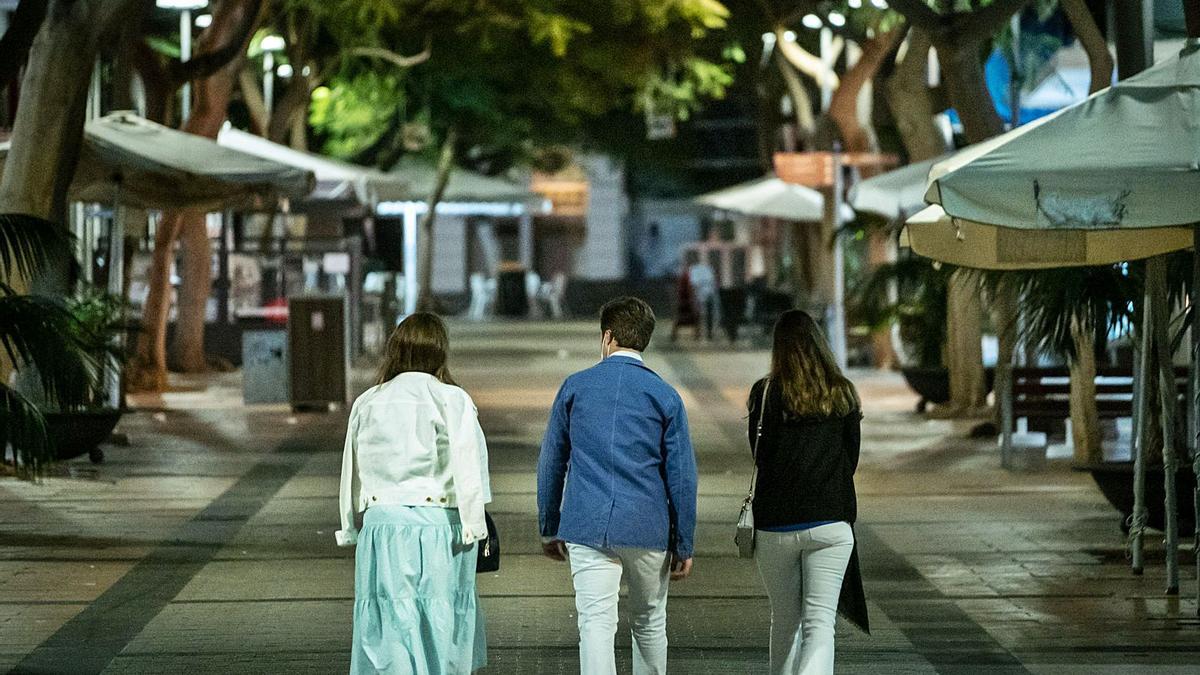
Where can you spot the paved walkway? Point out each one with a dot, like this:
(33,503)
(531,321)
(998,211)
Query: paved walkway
(207,544)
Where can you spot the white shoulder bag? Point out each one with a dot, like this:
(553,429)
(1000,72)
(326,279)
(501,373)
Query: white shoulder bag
(744,537)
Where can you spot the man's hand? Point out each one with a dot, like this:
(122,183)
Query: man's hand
(680,568)
(555,549)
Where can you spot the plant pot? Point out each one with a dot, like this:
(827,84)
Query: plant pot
(932,384)
(1115,480)
(81,432)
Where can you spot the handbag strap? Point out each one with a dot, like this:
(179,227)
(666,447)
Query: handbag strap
(762,410)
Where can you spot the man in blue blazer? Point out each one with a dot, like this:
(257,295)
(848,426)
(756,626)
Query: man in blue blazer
(617,491)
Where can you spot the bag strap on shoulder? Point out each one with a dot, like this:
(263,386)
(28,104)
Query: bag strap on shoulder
(762,411)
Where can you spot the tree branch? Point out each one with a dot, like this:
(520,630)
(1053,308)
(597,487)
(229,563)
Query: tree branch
(806,62)
(211,61)
(1092,40)
(920,14)
(983,23)
(394,58)
(14,46)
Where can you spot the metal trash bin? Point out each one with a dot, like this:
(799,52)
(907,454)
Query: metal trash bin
(511,299)
(264,357)
(318,357)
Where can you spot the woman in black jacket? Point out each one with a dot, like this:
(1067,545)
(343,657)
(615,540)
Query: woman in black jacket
(806,451)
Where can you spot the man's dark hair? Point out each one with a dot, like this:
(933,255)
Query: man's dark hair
(631,321)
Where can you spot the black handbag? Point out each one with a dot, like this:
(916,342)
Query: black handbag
(488,559)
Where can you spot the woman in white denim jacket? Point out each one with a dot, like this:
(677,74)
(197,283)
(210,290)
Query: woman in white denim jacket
(415,472)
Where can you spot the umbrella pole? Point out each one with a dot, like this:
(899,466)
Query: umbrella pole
(1156,289)
(1194,377)
(1140,437)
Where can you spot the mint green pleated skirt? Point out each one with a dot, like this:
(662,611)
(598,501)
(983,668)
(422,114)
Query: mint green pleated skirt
(416,611)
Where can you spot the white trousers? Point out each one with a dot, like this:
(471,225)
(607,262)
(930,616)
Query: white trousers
(803,572)
(597,575)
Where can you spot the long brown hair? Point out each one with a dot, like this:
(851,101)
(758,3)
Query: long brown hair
(419,344)
(804,369)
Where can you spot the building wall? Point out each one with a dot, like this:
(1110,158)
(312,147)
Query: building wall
(450,254)
(603,253)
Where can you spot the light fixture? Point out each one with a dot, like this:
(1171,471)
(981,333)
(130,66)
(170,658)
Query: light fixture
(855,4)
(204,21)
(789,35)
(768,39)
(285,71)
(881,4)
(273,43)
(306,71)
(811,21)
(181,4)
(837,19)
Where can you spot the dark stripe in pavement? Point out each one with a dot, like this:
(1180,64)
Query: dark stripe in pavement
(705,390)
(88,642)
(939,630)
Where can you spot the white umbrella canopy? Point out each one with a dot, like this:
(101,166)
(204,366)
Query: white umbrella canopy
(420,176)
(895,194)
(1127,157)
(334,179)
(146,165)
(771,197)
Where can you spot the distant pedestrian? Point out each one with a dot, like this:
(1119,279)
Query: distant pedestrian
(415,470)
(804,501)
(628,506)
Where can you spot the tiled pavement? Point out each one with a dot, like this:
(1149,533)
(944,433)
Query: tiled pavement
(206,545)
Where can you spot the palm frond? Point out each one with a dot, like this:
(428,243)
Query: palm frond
(29,243)
(23,427)
(912,292)
(41,333)
(1099,300)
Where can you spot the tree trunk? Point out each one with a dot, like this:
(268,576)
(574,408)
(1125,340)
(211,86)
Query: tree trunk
(51,113)
(148,368)
(911,101)
(843,106)
(801,102)
(1085,415)
(843,110)
(1085,418)
(293,104)
(445,165)
(1005,310)
(967,90)
(195,274)
(1100,61)
(964,350)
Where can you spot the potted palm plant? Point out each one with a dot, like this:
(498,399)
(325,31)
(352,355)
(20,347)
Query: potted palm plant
(81,428)
(47,356)
(909,296)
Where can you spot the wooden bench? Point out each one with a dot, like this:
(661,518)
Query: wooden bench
(1045,393)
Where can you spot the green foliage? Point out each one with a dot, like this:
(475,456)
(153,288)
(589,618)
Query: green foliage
(914,293)
(43,336)
(354,111)
(512,74)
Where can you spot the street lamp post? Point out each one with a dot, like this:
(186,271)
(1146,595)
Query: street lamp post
(185,9)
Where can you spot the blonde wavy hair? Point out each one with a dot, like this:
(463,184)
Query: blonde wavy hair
(805,371)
